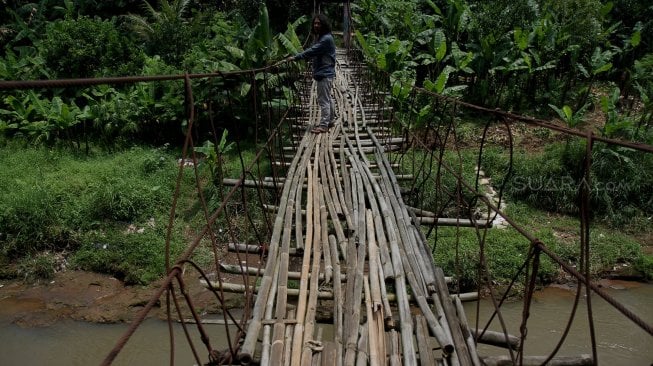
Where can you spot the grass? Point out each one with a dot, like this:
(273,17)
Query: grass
(58,201)
(506,249)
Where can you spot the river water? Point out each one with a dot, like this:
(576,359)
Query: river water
(619,341)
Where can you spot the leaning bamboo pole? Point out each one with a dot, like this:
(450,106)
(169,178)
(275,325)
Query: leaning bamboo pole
(422,271)
(443,293)
(469,337)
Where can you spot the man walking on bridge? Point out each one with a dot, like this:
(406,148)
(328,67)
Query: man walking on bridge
(323,55)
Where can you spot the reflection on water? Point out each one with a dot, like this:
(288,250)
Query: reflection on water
(78,343)
(619,341)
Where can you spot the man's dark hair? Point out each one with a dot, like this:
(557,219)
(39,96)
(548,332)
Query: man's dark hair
(325,25)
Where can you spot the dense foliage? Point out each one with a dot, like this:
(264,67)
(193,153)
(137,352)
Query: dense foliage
(79,39)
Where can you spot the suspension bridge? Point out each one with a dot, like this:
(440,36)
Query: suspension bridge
(347,274)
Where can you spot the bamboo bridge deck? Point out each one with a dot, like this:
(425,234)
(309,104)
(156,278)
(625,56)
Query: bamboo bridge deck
(341,209)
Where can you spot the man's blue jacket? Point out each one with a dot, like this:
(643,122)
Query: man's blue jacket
(323,54)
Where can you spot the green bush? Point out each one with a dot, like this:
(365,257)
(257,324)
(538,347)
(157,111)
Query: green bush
(88,48)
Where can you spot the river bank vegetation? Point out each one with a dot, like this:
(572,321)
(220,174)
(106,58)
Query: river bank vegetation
(88,174)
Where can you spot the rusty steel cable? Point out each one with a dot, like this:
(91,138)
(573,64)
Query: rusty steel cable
(175,271)
(629,314)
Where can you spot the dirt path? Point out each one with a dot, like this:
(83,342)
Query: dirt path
(85,296)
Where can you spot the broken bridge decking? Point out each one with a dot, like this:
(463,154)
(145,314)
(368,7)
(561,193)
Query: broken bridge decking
(341,215)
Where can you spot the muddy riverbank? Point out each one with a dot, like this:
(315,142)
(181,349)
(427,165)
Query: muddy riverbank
(86,296)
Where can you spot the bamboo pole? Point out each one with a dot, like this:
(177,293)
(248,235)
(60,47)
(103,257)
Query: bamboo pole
(395,348)
(497,339)
(236,269)
(362,355)
(443,293)
(320,234)
(266,344)
(373,259)
(251,337)
(581,360)
(426,357)
(303,284)
(279,331)
(339,190)
(337,301)
(372,328)
(288,337)
(347,188)
(469,338)
(240,288)
(254,249)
